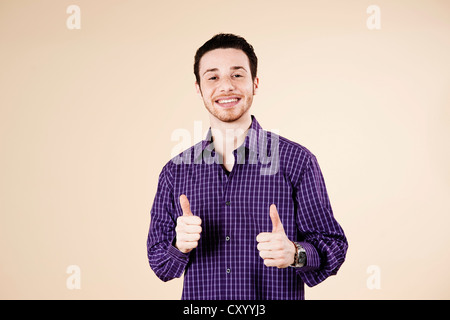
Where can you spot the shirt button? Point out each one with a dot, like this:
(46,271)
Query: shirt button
(228,203)
(228,270)
(227,238)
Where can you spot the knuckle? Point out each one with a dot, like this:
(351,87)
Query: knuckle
(181,220)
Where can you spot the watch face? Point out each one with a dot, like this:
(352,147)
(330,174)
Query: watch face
(301,257)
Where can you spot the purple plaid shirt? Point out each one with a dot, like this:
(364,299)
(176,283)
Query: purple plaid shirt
(234,208)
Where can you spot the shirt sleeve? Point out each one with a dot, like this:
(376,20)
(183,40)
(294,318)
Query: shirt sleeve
(319,232)
(165,260)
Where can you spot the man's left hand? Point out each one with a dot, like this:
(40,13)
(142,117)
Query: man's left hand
(275,247)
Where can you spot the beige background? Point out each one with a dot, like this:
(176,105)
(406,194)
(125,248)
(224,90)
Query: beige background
(86,118)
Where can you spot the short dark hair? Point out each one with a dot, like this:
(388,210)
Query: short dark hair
(225,41)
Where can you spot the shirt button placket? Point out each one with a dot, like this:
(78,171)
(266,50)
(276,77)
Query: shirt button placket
(227,203)
(227,238)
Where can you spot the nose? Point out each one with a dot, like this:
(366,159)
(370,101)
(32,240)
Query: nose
(226,84)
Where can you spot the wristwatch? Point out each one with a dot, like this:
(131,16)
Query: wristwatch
(300,256)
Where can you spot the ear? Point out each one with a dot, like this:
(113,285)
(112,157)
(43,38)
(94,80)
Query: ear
(255,85)
(197,88)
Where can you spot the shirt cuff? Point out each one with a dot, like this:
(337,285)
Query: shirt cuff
(312,257)
(177,254)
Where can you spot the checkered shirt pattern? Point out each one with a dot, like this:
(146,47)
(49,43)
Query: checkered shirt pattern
(234,209)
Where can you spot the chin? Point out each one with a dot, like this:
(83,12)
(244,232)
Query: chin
(228,115)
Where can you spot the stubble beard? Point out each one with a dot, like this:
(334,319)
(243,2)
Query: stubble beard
(228,115)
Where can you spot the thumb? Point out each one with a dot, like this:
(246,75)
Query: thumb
(276,222)
(185,206)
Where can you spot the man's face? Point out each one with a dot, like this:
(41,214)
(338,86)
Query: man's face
(226,84)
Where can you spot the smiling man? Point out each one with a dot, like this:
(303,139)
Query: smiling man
(233,228)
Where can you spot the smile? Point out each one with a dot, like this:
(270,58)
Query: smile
(229,102)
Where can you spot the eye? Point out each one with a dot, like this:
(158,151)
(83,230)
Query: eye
(237,76)
(212,78)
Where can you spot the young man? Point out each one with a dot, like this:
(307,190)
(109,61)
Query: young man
(241,224)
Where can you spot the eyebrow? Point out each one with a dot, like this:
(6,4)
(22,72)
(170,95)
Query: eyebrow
(232,68)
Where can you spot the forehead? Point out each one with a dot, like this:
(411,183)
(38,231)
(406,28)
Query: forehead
(224,59)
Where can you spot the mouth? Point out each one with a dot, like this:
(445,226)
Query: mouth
(228,102)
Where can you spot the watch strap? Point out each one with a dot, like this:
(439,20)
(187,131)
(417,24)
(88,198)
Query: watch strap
(300,256)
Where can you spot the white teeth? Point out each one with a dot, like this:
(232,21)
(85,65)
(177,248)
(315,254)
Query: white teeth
(228,100)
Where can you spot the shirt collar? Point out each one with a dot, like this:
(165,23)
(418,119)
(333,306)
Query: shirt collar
(251,141)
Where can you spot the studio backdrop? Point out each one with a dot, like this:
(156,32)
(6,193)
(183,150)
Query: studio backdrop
(94,94)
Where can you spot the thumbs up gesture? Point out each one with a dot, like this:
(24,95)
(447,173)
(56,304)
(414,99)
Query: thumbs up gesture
(188,228)
(275,247)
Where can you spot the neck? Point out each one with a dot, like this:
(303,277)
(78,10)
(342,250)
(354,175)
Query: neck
(228,136)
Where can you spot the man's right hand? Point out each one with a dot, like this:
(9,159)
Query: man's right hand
(188,228)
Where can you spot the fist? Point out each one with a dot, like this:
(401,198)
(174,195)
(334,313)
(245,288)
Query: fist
(188,228)
(275,247)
